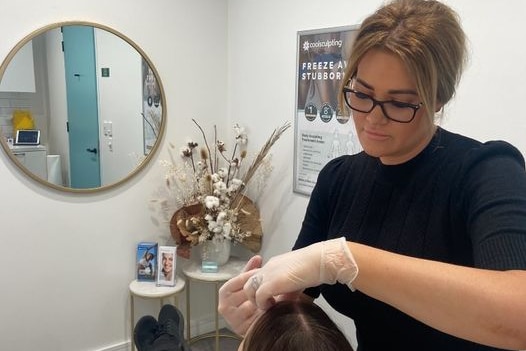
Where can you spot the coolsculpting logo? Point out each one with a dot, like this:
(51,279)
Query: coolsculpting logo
(307,45)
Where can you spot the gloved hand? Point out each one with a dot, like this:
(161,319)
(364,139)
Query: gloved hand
(234,305)
(326,262)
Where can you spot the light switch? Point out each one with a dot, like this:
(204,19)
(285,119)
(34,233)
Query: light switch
(107,129)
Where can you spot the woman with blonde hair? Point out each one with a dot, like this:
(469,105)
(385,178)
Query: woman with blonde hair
(421,238)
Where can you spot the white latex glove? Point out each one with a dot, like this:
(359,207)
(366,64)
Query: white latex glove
(326,262)
(234,306)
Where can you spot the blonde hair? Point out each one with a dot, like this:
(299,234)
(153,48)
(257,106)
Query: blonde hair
(427,36)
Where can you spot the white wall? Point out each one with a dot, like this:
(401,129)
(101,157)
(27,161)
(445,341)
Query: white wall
(67,259)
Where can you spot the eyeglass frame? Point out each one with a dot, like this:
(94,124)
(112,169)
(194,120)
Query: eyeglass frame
(381,103)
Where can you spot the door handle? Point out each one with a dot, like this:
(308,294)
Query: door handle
(94,150)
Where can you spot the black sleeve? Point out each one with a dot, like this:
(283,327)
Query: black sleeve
(495,206)
(318,214)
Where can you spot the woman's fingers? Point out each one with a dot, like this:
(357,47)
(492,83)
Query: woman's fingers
(234,306)
(236,284)
(254,262)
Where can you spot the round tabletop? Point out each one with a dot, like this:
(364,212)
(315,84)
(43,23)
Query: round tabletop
(232,268)
(151,290)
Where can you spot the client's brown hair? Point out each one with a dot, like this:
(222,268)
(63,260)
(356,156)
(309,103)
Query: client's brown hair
(295,325)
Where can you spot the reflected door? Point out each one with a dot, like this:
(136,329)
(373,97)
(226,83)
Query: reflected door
(83,120)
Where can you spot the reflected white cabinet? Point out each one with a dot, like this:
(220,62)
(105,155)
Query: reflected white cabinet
(20,73)
(34,158)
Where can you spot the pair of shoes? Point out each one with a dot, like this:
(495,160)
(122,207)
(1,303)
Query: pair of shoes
(166,334)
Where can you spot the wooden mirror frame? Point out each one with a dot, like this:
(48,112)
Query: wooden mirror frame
(141,165)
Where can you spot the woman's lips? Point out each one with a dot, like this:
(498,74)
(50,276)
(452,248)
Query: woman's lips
(375,135)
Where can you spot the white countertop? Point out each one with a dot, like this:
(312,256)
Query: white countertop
(23,148)
(151,290)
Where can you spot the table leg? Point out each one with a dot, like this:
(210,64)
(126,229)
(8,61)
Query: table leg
(217,314)
(188,319)
(132,317)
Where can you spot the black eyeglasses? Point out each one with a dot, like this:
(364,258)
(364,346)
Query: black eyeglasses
(402,112)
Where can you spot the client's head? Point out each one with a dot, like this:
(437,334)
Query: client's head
(294,325)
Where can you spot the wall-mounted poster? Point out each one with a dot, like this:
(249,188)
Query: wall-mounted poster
(322,131)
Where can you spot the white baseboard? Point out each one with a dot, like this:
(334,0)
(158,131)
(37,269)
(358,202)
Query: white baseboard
(122,346)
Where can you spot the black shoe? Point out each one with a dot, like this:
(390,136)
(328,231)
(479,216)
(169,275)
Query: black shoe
(170,312)
(144,332)
(170,333)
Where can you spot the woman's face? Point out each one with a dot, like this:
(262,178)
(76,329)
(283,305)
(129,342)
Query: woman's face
(168,260)
(383,76)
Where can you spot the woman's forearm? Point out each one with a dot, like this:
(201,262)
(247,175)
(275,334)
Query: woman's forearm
(484,306)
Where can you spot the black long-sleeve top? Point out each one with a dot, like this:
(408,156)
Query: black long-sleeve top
(459,201)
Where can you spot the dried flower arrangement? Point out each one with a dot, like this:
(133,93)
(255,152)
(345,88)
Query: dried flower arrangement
(209,194)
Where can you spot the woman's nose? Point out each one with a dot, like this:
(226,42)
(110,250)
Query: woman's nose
(376,115)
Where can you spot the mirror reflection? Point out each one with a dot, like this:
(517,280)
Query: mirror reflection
(91,95)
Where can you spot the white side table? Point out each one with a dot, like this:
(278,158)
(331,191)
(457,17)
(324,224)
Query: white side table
(148,290)
(193,272)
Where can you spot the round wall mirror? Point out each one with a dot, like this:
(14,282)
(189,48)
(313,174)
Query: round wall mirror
(82,107)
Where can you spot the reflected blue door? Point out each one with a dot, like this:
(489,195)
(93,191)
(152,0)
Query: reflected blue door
(83,120)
